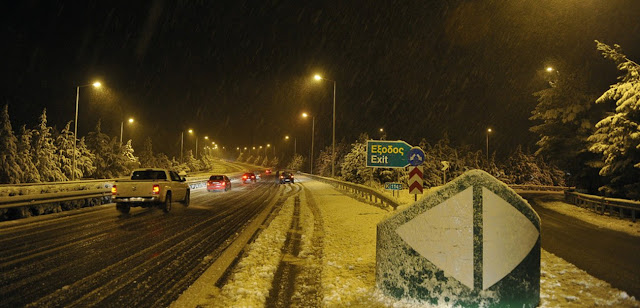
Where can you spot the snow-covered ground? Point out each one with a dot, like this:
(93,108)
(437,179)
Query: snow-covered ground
(348,261)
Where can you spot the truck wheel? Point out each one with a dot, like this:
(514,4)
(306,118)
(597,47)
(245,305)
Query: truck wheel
(187,198)
(123,208)
(166,207)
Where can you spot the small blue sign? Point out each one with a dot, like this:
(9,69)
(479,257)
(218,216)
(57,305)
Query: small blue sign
(416,156)
(392,186)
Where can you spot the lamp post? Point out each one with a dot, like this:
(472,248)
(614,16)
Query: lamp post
(75,123)
(488,132)
(333,140)
(295,142)
(313,125)
(122,128)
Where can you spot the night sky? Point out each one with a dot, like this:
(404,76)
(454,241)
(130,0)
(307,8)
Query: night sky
(241,71)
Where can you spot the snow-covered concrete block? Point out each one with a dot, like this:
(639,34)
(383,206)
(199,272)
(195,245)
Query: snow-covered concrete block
(474,242)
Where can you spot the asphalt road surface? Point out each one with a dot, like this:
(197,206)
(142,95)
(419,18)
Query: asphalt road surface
(605,254)
(97,256)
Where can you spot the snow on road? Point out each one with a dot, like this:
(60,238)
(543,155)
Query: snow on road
(348,265)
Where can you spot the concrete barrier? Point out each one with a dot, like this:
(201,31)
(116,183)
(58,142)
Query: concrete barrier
(472,243)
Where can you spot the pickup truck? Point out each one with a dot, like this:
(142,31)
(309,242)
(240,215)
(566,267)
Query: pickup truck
(148,187)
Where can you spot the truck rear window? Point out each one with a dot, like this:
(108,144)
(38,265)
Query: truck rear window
(149,175)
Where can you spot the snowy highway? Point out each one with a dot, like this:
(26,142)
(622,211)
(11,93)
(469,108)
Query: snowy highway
(606,254)
(96,256)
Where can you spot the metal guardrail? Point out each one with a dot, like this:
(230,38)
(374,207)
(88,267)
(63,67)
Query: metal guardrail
(601,205)
(362,191)
(27,201)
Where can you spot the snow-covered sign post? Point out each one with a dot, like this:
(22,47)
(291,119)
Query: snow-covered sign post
(472,243)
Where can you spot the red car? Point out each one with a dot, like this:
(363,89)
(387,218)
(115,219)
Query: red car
(218,182)
(249,177)
(267,172)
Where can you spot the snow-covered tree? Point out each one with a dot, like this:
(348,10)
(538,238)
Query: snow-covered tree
(44,153)
(296,162)
(132,161)
(256,161)
(323,162)
(193,164)
(354,167)
(84,160)
(64,144)
(30,173)
(162,161)
(146,157)
(265,161)
(10,171)
(109,159)
(240,157)
(617,137)
(274,162)
(566,116)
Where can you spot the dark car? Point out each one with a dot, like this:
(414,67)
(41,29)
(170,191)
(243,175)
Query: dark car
(286,177)
(249,177)
(218,183)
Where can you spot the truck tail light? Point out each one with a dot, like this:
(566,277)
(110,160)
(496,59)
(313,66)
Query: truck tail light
(156,189)
(114,190)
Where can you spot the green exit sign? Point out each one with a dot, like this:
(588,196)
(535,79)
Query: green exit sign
(387,154)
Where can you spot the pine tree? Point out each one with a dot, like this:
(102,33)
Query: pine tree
(240,157)
(162,161)
(30,173)
(296,162)
(44,153)
(257,161)
(274,162)
(10,171)
(147,158)
(354,167)
(323,163)
(193,164)
(265,162)
(109,160)
(84,160)
(567,115)
(617,136)
(64,144)
(132,161)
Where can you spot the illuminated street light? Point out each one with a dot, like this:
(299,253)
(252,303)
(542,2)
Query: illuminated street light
(313,127)
(488,132)
(122,128)
(96,84)
(295,144)
(333,140)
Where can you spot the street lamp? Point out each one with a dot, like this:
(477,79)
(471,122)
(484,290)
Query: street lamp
(333,141)
(313,125)
(488,132)
(122,128)
(96,84)
(295,144)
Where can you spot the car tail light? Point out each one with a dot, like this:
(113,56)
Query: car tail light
(282,177)
(224,183)
(244,177)
(114,190)
(156,189)
(209,182)
(292,176)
